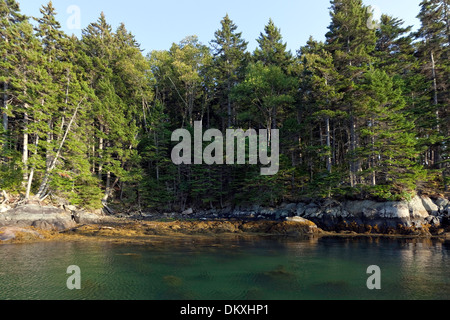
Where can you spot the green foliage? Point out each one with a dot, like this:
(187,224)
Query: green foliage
(363,114)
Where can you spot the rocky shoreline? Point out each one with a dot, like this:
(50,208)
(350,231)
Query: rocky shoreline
(419,217)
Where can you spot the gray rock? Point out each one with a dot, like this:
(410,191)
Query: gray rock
(336,212)
(268,212)
(300,210)
(356,208)
(441,203)
(416,208)
(226,210)
(430,206)
(432,220)
(281,214)
(35,215)
(86,217)
(312,211)
(4,208)
(291,207)
(42,225)
(188,211)
(396,210)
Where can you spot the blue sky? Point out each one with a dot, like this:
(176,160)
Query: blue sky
(157,24)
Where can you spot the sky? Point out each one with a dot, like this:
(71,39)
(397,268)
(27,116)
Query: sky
(158,24)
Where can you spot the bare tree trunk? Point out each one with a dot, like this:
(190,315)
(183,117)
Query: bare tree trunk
(43,186)
(437,158)
(5,106)
(30,178)
(373,162)
(100,151)
(49,151)
(352,151)
(328,139)
(25,148)
(229,104)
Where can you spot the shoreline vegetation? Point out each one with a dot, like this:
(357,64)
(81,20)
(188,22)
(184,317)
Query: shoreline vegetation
(362,114)
(362,119)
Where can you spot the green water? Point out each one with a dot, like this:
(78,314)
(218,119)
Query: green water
(228,269)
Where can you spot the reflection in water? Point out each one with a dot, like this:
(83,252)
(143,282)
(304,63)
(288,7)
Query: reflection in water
(228,268)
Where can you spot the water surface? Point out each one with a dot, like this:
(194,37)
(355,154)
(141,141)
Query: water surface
(228,269)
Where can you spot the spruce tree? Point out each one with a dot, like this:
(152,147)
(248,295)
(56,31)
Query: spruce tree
(351,43)
(230,60)
(271,48)
(433,50)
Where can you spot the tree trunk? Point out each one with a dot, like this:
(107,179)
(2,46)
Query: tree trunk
(5,106)
(43,186)
(229,103)
(352,151)
(328,140)
(25,148)
(437,157)
(49,151)
(30,177)
(100,155)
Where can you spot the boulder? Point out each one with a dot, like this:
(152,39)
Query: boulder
(416,208)
(430,206)
(38,216)
(281,214)
(441,203)
(312,211)
(4,208)
(188,211)
(396,210)
(300,210)
(291,207)
(383,215)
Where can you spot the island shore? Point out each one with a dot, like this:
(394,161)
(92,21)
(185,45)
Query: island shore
(419,217)
(129,231)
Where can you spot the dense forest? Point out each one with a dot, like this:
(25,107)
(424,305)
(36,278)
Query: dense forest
(363,114)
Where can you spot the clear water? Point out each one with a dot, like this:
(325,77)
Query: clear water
(228,269)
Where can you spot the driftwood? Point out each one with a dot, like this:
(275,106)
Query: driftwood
(108,209)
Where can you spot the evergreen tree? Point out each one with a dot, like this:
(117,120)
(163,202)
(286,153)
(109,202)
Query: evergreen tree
(230,60)
(351,43)
(320,121)
(390,141)
(271,49)
(434,53)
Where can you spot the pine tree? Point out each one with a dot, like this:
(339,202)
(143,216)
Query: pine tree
(351,43)
(390,142)
(271,49)
(318,116)
(230,60)
(9,17)
(394,50)
(433,50)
